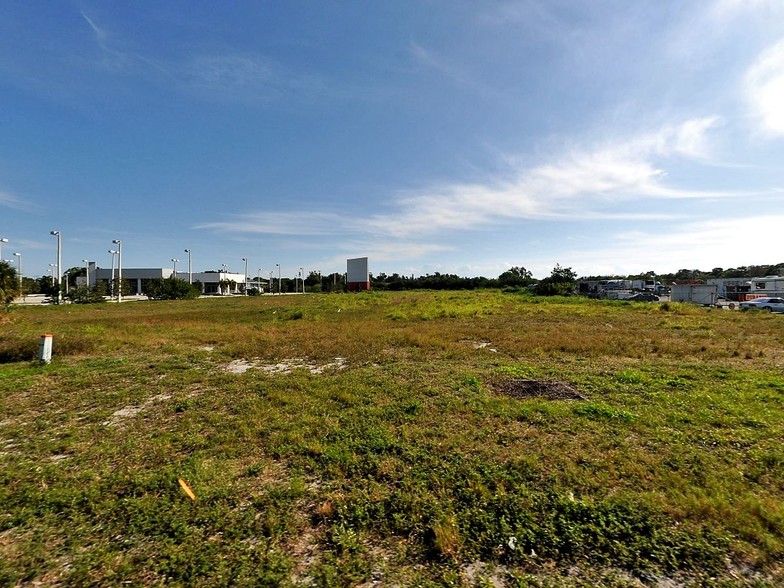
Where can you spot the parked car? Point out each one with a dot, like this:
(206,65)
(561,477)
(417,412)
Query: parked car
(643,297)
(766,304)
(724,302)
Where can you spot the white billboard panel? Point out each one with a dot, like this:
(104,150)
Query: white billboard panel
(357,270)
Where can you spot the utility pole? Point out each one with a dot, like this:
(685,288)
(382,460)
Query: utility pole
(119,268)
(57,234)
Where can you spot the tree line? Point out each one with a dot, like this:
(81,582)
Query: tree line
(561,281)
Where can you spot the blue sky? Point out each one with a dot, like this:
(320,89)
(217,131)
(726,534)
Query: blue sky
(433,135)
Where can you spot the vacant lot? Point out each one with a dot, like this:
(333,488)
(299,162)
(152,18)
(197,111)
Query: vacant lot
(429,439)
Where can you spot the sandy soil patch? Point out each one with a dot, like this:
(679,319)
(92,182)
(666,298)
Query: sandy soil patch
(118,416)
(284,366)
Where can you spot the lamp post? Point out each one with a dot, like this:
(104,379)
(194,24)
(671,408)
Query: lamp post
(174,271)
(111,284)
(258,281)
(87,271)
(245,259)
(302,278)
(2,240)
(118,242)
(57,234)
(51,273)
(21,284)
(278,266)
(190,273)
(271,282)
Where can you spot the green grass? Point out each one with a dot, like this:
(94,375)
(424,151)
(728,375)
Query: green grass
(401,463)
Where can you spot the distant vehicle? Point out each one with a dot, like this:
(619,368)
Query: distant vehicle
(723,301)
(643,297)
(766,304)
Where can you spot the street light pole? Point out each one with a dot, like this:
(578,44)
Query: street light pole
(51,273)
(111,284)
(174,271)
(119,268)
(302,278)
(57,234)
(190,273)
(277,264)
(245,259)
(21,284)
(2,240)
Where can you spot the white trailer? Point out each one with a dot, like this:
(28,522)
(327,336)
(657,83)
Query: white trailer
(769,286)
(705,294)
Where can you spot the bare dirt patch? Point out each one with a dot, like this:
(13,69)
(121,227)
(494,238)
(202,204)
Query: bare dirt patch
(127,412)
(479,344)
(284,366)
(551,390)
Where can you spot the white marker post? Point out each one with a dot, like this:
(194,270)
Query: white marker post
(45,349)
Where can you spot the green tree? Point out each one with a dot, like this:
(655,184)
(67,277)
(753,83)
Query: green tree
(85,295)
(9,284)
(170,289)
(516,276)
(560,282)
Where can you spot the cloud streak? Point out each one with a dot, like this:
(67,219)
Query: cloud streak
(710,243)
(583,184)
(10,201)
(765,89)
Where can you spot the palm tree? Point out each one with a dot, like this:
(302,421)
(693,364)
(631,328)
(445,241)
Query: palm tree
(9,284)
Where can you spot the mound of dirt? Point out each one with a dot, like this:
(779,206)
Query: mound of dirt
(521,388)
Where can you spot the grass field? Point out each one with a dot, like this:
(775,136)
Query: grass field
(397,439)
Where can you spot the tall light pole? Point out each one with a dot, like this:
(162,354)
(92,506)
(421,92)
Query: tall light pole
(174,272)
(21,284)
(118,242)
(51,273)
(278,265)
(245,259)
(2,240)
(271,282)
(258,281)
(57,234)
(111,284)
(302,277)
(87,270)
(190,273)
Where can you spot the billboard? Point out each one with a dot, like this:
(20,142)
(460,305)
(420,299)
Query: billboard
(357,274)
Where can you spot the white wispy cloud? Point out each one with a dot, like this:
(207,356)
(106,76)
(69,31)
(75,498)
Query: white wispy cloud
(699,244)
(282,223)
(730,9)
(765,89)
(100,34)
(115,60)
(11,201)
(582,184)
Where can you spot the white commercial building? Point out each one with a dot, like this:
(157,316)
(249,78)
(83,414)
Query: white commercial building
(211,282)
